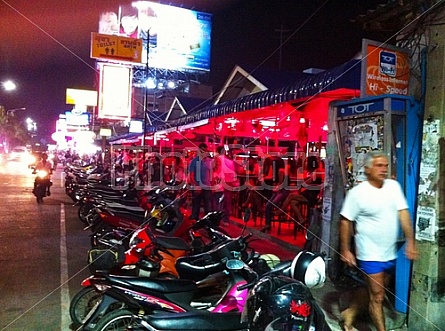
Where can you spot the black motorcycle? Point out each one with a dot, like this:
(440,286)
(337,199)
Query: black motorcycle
(41,184)
(278,300)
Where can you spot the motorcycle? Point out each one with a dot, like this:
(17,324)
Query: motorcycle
(41,183)
(167,208)
(88,199)
(170,294)
(277,300)
(109,253)
(148,256)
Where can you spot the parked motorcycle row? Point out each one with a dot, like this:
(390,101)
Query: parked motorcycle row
(153,268)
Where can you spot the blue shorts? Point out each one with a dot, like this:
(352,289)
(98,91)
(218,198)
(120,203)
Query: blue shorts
(375,267)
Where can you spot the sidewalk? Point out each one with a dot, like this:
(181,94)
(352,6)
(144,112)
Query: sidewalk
(332,298)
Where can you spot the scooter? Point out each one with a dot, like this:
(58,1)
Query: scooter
(148,256)
(166,294)
(278,300)
(41,184)
(110,254)
(172,219)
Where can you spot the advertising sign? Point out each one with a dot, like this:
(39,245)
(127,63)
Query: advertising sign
(173,38)
(81,97)
(385,69)
(115,92)
(77,119)
(104,46)
(136,126)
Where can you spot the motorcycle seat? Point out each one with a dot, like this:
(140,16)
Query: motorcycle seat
(137,216)
(105,190)
(197,267)
(123,204)
(172,243)
(154,284)
(202,320)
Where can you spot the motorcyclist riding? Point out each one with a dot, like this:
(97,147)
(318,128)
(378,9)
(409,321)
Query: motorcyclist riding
(46,165)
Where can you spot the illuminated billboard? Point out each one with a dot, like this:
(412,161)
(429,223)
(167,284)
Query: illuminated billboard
(176,38)
(77,119)
(81,97)
(115,92)
(136,126)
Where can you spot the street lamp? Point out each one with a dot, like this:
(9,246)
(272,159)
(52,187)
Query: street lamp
(12,111)
(9,85)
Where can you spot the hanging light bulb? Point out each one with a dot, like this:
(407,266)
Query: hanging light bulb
(325,127)
(302,120)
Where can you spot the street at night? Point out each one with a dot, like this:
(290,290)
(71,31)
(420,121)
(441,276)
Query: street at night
(43,253)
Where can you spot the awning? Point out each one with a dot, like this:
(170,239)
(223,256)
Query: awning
(346,76)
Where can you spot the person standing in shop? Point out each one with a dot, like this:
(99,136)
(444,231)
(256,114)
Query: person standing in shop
(200,176)
(275,171)
(373,212)
(228,170)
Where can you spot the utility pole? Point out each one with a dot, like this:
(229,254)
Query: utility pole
(281,31)
(427,296)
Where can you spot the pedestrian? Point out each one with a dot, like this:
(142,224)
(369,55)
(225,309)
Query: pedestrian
(217,179)
(230,170)
(200,176)
(373,212)
(277,174)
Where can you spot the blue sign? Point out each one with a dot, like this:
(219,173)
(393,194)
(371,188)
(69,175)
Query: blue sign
(369,106)
(388,63)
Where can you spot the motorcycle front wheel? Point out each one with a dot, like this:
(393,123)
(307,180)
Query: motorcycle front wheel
(82,303)
(83,211)
(119,319)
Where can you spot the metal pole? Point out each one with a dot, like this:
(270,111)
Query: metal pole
(146,90)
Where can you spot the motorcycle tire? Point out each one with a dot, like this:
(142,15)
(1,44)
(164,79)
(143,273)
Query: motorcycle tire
(40,192)
(83,211)
(119,319)
(82,303)
(93,220)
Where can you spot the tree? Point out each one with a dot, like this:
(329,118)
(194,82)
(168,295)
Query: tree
(12,131)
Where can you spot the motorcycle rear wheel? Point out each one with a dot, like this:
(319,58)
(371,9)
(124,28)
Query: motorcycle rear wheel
(82,303)
(119,319)
(40,192)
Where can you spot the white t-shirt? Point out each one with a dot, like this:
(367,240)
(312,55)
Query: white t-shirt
(375,213)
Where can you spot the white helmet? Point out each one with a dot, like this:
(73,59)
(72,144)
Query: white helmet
(309,268)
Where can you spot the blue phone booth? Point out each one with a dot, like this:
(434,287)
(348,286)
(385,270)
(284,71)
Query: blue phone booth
(392,124)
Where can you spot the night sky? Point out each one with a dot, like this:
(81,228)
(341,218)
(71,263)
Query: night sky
(44,45)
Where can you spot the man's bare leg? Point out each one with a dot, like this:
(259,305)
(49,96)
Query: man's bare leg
(376,287)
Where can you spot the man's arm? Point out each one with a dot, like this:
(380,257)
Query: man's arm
(407,228)
(192,171)
(345,232)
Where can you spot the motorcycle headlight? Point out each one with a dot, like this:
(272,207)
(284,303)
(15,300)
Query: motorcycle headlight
(42,173)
